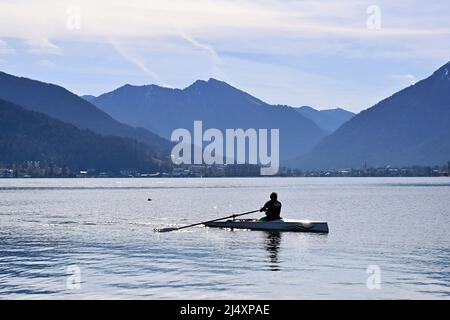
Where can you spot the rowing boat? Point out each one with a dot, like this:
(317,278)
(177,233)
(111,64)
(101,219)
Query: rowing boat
(277,225)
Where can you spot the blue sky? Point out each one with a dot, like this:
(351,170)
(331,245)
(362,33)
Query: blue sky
(324,54)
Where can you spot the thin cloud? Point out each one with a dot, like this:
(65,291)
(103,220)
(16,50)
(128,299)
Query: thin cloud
(137,61)
(43,46)
(215,59)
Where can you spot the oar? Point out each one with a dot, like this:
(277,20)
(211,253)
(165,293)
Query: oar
(200,223)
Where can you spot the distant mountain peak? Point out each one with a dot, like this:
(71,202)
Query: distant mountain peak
(127,86)
(88,97)
(124,87)
(211,82)
(329,120)
(196,84)
(218,105)
(147,88)
(216,81)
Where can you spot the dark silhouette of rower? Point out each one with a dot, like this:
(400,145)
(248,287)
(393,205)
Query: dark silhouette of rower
(272,208)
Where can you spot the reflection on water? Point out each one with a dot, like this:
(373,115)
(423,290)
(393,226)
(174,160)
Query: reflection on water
(272,245)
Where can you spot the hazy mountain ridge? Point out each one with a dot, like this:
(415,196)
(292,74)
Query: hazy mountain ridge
(329,120)
(88,97)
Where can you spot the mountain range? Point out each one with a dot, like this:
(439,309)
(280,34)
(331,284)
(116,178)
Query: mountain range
(218,104)
(411,127)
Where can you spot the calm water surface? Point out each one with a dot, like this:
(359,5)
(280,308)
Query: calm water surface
(104,227)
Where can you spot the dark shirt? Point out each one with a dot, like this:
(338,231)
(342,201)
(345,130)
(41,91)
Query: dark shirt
(273,209)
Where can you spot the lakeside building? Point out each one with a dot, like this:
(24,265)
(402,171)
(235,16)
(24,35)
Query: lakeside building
(32,169)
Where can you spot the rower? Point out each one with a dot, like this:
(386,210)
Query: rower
(272,208)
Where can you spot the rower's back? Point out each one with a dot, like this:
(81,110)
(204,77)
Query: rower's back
(272,208)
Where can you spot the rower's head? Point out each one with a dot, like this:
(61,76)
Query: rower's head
(273,196)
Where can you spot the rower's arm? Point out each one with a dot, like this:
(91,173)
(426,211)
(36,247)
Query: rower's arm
(265,207)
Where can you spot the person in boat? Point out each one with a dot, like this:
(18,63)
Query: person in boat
(272,208)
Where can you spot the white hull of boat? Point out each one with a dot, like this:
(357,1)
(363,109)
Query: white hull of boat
(277,225)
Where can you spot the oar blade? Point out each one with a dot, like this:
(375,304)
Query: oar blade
(165,230)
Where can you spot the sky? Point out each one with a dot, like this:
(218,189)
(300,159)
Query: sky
(321,53)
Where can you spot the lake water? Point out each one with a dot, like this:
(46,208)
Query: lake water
(56,231)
